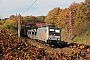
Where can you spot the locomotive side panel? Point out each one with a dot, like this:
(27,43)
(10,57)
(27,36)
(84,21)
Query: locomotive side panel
(42,34)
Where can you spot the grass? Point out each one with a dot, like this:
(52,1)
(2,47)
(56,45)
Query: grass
(84,38)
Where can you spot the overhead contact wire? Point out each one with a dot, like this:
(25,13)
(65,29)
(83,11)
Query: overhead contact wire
(29,7)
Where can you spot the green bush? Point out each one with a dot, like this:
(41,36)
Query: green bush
(1,22)
(9,24)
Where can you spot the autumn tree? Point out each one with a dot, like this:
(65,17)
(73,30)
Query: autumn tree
(28,19)
(61,19)
(65,15)
(40,18)
(11,17)
(52,16)
(82,19)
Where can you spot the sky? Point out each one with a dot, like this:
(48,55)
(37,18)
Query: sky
(39,8)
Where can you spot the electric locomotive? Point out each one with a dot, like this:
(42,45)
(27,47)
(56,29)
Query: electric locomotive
(47,34)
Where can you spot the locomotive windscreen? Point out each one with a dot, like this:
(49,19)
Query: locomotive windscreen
(54,31)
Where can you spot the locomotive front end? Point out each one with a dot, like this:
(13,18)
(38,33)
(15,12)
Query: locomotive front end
(54,36)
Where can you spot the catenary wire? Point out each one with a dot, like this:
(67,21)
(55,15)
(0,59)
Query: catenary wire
(29,7)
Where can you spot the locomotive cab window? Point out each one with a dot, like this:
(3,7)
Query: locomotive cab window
(55,32)
(51,31)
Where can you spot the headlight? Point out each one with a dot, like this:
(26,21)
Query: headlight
(58,39)
(49,38)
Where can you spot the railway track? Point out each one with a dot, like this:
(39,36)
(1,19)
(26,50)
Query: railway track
(40,45)
(48,48)
(73,50)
